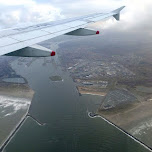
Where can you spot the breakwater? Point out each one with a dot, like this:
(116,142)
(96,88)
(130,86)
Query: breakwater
(94,115)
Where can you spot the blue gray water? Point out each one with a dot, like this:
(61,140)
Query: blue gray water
(14,80)
(68,127)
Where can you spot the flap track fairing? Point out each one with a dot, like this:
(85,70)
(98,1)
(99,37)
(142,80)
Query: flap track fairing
(83,32)
(32,51)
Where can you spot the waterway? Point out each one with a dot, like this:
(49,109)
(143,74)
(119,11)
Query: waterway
(67,126)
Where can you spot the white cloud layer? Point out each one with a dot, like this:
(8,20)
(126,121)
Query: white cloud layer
(14,12)
(16,2)
(137,13)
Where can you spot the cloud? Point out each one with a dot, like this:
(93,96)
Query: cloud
(15,13)
(135,16)
(16,2)
(80,7)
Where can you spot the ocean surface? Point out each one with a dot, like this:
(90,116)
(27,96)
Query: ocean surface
(68,127)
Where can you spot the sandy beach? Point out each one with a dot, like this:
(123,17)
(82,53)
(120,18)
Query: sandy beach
(16,90)
(16,97)
(85,90)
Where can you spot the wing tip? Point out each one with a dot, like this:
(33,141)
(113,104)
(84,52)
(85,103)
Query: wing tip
(116,12)
(118,9)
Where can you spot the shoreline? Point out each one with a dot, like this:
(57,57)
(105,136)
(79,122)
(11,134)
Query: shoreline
(17,128)
(14,131)
(128,117)
(14,92)
(123,131)
(57,80)
(94,93)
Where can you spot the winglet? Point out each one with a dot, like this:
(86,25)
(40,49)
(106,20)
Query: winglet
(116,13)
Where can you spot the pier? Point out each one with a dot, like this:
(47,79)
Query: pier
(17,128)
(36,120)
(94,115)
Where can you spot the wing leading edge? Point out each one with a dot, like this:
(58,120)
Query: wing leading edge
(18,39)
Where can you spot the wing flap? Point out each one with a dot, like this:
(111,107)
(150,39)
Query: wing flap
(7,41)
(29,35)
(76,23)
(55,29)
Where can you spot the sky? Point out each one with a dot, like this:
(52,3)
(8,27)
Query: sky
(17,12)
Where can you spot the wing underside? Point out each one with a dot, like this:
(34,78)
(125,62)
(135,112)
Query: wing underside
(20,38)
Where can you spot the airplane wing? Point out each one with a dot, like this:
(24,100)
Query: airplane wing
(21,41)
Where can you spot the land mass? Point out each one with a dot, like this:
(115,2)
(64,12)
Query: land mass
(55,78)
(123,78)
(15,98)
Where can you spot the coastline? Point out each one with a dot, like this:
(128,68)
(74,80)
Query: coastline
(82,91)
(122,130)
(14,131)
(128,117)
(15,93)
(92,93)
